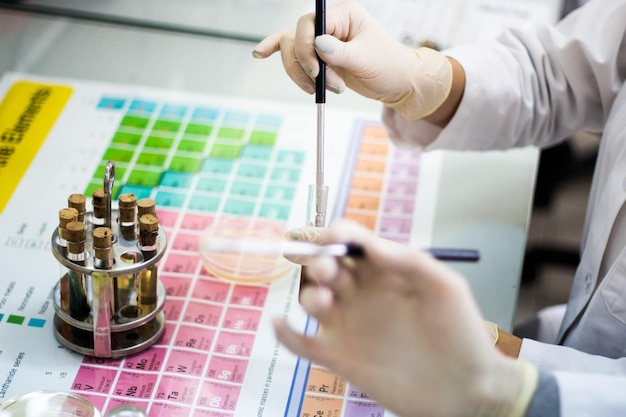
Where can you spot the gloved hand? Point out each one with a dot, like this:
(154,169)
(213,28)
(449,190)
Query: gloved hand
(404,328)
(360,54)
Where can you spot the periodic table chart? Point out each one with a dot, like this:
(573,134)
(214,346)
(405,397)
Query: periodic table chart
(200,158)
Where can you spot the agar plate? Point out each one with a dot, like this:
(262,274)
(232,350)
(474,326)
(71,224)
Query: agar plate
(245,266)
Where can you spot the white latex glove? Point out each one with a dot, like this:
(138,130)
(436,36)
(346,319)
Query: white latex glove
(404,328)
(360,54)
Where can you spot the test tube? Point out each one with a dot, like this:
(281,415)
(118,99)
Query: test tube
(66,215)
(128,216)
(316,207)
(75,235)
(147,279)
(102,246)
(78,201)
(146,206)
(99,203)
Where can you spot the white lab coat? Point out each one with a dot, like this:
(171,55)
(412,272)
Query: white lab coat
(536,86)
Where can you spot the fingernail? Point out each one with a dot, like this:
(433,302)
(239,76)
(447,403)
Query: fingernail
(293,234)
(308,70)
(325,44)
(256,54)
(336,89)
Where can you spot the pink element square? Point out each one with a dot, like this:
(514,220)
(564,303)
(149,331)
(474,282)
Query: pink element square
(177,389)
(217,395)
(185,241)
(181,263)
(237,344)
(203,313)
(92,360)
(173,309)
(167,218)
(175,286)
(227,369)
(169,410)
(210,413)
(193,337)
(238,318)
(210,290)
(185,362)
(197,222)
(148,360)
(135,385)
(249,295)
(94,379)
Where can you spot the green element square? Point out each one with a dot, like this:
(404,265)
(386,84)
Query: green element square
(190,145)
(169,199)
(239,207)
(202,203)
(198,129)
(218,166)
(247,189)
(144,177)
(137,122)
(262,137)
(15,319)
(275,211)
(186,164)
(251,171)
(277,192)
(285,174)
(290,157)
(220,150)
(126,138)
(212,185)
(226,132)
(176,179)
(117,155)
(257,152)
(98,174)
(159,142)
(152,159)
(165,126)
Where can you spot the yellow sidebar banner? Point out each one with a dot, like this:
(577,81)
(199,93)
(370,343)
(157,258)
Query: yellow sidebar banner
(27,113)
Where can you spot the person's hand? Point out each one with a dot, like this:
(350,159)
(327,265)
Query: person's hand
(361,55)
(404,328)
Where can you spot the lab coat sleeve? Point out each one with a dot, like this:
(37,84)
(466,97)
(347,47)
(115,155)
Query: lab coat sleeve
(534,85)
(588,385)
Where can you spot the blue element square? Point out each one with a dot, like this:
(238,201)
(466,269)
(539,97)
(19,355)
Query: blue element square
(204,115)
(142,107)
(112,103)
(167,199)
(268,122)
(176,179)
(275,211)
(173,112)
(139,191)
(206,204)
(36,322)
(234,118)
(256,152)
(218,165)
(290,157)
(239,207)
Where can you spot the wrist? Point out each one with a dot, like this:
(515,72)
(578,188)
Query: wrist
(507,390)
(429,78)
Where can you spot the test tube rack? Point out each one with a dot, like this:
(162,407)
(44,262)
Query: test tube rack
(108,302)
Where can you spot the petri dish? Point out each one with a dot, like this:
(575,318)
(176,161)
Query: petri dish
(46,403)
(230,263)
